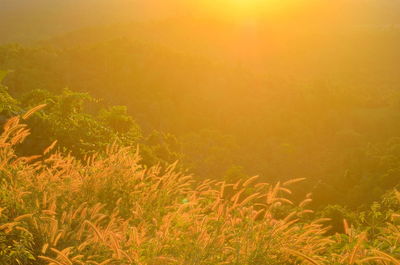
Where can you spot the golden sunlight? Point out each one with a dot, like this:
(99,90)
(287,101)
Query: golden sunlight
(170,132)
(252,9)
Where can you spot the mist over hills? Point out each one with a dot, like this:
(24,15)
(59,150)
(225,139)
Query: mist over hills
(299,93)
(319,29)
(29,21)
(107,108)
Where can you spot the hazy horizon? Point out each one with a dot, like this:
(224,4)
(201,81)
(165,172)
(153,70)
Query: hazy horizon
(27,20)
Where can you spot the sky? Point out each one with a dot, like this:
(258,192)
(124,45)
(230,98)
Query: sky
(23,20)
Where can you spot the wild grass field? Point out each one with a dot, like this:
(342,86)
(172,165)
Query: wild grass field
(110,209)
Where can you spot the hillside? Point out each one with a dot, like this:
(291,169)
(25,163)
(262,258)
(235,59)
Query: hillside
(331,100)
(131,131)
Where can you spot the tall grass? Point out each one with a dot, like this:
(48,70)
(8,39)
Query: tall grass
(109,209)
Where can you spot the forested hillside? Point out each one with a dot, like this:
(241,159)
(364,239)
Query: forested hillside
(177,105)
(334,125)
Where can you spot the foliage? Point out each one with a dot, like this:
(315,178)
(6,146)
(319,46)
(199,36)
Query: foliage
(8,105)
(111,210)
(284,92)
(337,130)
(80,125)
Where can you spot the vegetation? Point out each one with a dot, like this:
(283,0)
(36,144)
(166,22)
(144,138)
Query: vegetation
(347,125)
(109,209)
(132,130)
(81,125)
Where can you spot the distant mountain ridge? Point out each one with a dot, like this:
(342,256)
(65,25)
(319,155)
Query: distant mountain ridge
(28,21)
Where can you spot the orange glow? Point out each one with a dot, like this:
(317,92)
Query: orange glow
(254,9)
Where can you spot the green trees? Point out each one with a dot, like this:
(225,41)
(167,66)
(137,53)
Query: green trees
(67,120)
(220,119)
(82,125)
(8,105)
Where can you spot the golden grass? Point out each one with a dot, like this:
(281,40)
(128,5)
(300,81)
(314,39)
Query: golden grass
(109,209)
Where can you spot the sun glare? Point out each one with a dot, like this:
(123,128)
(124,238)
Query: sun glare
(245,9)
